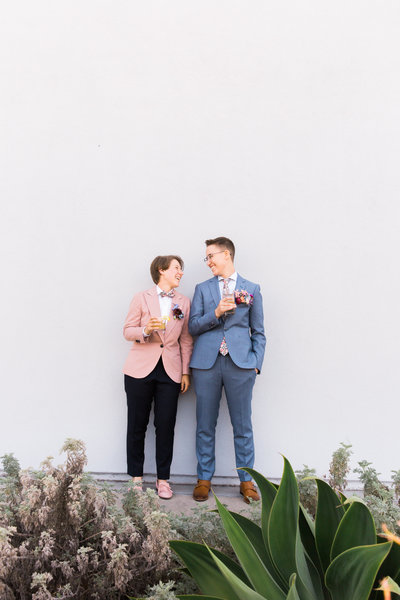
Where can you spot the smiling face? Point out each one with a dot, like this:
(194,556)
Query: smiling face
(219,261)
(171,277)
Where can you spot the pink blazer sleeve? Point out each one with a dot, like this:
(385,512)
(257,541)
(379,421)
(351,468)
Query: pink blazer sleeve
(133,330)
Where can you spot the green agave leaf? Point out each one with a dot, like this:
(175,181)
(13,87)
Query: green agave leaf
(256,571)
(357,528)
(240,589)
(308,519)
(328,516)
(204,571)
(268,494)
(268,491)
(284,538)
(231,564)
(391,565)
(352,574)
(308,581)
(254,534)
(351,499)
(307,533)
(283,523)
(292,595)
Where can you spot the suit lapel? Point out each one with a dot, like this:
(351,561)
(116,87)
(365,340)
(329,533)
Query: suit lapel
(240,283)
(177,299)
(153,302)
(154,306)
(214,287)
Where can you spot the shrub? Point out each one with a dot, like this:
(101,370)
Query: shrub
(64,536)
(307,489)
(380,499)
(340,467)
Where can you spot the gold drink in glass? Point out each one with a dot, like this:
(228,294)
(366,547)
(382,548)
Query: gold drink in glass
(229,297)
(164,321)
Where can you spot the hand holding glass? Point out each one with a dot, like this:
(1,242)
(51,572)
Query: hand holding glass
(156,323)
(229,297)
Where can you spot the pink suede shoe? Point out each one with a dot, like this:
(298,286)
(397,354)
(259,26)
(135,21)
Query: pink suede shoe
(164,490)
(137,486)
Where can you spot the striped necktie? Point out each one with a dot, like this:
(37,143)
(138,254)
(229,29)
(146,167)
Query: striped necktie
(223,349)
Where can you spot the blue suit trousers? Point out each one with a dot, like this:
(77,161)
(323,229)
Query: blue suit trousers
(238,384)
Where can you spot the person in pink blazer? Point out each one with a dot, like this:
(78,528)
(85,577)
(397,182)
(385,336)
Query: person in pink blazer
(157,367)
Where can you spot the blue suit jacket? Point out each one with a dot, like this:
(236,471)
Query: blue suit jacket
(244,330)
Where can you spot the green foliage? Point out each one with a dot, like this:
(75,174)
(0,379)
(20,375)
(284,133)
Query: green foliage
(339,467)
(161,591)
(370,479)
(289,557)
(10,465)
(396,483)
(201,524)
(380,499)
(307,488)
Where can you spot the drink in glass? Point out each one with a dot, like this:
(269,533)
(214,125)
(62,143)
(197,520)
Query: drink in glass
(163,322)
(229,297)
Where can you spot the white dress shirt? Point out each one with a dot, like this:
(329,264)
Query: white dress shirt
(232,279)
(165,303)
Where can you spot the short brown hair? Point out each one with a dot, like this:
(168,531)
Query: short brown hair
(162,263)
(223,242)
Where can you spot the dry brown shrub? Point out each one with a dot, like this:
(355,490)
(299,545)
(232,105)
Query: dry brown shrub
(64,536)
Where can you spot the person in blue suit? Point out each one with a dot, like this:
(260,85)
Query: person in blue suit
(228,353)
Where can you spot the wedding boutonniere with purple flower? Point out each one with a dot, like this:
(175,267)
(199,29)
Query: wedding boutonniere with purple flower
(243,297)
(177,312)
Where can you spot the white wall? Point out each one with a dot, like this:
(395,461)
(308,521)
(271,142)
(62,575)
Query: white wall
(130,129)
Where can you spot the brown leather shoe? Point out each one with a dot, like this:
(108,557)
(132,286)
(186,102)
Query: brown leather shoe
(248,491)
(202,489)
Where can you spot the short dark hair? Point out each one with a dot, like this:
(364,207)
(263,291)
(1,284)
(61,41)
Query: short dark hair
(162,263)
(223,242)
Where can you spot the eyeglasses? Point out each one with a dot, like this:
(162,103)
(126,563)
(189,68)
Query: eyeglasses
(209,256)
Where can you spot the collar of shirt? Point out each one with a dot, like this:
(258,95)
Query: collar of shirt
(231,283)
(165,303)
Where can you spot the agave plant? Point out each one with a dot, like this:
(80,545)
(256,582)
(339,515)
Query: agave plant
(291,557)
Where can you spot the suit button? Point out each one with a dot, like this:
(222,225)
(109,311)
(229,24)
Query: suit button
(161,345)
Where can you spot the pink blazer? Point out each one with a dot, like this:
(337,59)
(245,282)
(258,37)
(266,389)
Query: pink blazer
(174,345)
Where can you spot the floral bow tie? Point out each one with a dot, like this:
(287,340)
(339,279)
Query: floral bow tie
(170,294)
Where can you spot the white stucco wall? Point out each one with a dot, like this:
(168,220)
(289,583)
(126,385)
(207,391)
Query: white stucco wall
(130,129)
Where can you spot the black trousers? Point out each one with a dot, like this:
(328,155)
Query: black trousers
(140,393)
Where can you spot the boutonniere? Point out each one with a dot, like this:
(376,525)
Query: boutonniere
(177,312)
(243,297)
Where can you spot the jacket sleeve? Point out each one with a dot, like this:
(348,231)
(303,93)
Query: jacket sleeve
(257,334)
(133,330)
(199,322)
(186,342)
